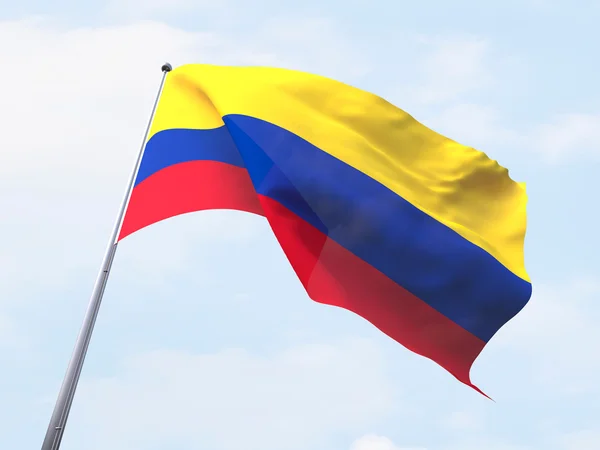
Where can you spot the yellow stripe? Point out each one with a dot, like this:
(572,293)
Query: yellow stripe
(457,185)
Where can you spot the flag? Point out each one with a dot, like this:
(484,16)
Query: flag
(378,214)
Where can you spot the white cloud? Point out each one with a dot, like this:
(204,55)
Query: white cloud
(567,137)
(582,440)
(455,66)
(233,399)
(78,102)
(148,8)
(374,442)
(487,444)
(8,333)
(283,41)
(560,324)
(462,421)
(473,125)
(80,98)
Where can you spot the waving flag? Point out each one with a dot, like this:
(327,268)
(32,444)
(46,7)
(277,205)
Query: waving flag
(377,214)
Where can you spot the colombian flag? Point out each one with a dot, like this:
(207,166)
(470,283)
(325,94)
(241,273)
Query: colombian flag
(377,214)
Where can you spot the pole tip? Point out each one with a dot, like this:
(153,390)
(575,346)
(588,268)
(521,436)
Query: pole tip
(166,67)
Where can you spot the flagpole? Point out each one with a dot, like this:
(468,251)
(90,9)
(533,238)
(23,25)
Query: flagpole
(58,421)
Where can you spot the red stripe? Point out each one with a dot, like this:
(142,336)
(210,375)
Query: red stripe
(334,276)
(188,187)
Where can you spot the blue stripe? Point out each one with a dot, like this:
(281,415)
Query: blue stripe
(433,262)
(170,147)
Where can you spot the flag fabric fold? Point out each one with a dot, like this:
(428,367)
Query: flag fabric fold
(377,214)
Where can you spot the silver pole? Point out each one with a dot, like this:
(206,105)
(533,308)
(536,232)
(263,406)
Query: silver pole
(56,428)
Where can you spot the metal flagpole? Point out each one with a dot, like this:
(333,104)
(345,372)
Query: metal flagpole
(56,428)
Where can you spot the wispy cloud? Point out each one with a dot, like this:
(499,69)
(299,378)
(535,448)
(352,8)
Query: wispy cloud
(374,442)
(568,137)
(288,400)
(453,66)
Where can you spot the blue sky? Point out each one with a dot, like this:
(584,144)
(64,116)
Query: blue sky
(206,339)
